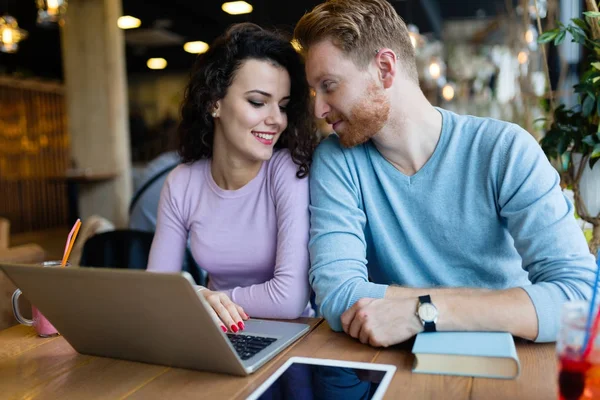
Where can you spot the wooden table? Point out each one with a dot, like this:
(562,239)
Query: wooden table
(31,367)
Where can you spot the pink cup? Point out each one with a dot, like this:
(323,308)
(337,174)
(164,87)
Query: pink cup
(42,326)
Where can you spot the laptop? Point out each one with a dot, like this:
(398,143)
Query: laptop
(150,317)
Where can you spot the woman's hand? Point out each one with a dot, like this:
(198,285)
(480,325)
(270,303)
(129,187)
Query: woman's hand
(226,313)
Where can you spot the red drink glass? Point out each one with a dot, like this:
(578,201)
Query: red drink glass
(578,378)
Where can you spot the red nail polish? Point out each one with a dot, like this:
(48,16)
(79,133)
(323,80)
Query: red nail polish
(224,329)
(234,328)
(241,325)
(247,316)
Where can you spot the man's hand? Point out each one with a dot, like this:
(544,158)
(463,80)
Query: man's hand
(382,322)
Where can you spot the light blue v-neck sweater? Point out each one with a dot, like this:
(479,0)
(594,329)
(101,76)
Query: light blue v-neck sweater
(486,210)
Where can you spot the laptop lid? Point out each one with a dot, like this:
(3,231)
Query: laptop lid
(135,315)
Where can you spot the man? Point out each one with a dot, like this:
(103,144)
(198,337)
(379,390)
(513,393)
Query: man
(423,219)
(144,204)
(143,207)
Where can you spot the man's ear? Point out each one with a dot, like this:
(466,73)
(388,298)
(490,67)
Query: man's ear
(387,66)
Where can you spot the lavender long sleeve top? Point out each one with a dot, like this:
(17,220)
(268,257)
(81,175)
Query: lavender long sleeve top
(253,242)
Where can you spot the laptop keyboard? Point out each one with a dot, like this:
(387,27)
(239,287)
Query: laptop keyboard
(247,345)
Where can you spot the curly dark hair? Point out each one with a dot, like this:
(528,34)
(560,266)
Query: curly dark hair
(213,73)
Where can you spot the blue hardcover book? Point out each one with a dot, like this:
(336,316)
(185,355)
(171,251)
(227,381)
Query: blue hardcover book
(480,354)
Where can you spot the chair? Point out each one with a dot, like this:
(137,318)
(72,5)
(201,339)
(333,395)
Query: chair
(93,225)
(26,254)
(127,248)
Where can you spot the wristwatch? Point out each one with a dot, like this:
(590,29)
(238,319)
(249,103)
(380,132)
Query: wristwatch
(427,313)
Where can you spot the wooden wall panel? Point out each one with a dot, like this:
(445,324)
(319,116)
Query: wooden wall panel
(34,154)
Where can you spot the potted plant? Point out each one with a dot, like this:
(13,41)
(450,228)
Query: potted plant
(573,140)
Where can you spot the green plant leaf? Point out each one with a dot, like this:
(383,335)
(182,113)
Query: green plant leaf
(580,23)
(548,36)
(579,35)
(596,65)
(560,37)
(589,140)
(588,73)
(590,93)
(563,144)
(578,38)
(588,106)
(595,156)
(592,14)
(593,74)
(583,87)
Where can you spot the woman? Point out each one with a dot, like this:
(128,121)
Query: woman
(241,195)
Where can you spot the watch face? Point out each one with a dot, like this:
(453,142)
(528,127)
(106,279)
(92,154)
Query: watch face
(427,312)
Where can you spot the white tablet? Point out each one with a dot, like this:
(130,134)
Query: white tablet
(316,378)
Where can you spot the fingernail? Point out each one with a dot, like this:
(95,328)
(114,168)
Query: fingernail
(234,328)
(246,315)
(241,325)
(224,329)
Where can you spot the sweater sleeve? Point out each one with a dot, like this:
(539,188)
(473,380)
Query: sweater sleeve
(170,238)
(286,295)
(541,221)
(338,272)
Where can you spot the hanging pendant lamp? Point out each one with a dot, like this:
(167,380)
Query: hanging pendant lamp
(10,34)
(51,11)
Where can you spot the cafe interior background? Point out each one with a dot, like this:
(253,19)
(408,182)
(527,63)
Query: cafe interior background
(90,93)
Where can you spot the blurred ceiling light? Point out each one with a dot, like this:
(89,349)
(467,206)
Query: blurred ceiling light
(296,45)
(197,47)
(10,34)
(156,63)
(531,36)
(522,57)
(413,40)
(448,91)
(542,8)
(416,39)
(237,7)
(435,70)
(51,11)
(128,22)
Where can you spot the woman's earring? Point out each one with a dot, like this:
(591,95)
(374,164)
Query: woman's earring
(214,114)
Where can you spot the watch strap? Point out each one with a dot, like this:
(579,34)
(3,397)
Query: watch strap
(429,326)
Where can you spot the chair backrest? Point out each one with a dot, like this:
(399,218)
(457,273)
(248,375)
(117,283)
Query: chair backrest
(4,233)
(145,186)
(126,248)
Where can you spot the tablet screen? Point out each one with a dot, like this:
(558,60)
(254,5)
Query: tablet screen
(310,381)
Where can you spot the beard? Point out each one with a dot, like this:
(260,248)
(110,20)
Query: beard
(367,118)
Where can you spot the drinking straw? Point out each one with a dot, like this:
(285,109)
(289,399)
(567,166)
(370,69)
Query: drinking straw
(591,334)
(70,240)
